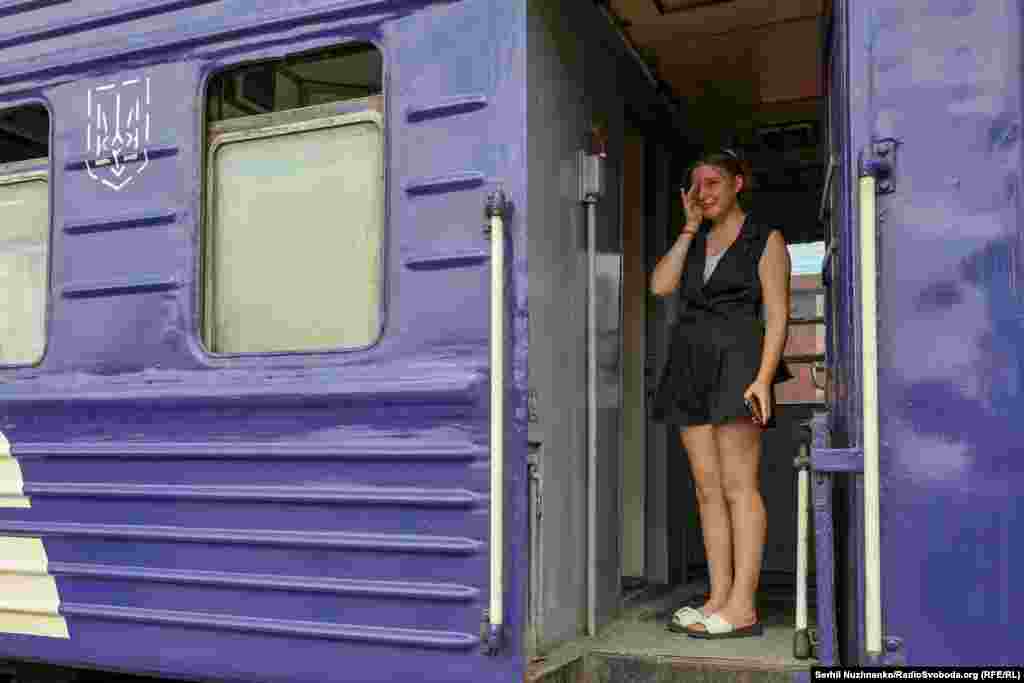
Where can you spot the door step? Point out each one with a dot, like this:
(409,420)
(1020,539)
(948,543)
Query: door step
(601,667)
(637,647)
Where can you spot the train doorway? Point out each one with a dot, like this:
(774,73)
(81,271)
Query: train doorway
(752,84)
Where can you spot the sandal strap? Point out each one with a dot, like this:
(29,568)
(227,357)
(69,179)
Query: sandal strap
(684,616)
(716,624)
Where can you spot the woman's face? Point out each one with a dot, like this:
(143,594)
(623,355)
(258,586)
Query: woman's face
(716,190)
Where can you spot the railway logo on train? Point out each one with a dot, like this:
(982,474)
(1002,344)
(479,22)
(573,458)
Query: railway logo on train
(117,135)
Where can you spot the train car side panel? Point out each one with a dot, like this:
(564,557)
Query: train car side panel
(277,517)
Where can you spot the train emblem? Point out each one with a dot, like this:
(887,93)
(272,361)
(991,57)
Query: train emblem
(117,136)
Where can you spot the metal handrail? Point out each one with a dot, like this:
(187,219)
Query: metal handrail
(591,204)
(869,353)
(496,209)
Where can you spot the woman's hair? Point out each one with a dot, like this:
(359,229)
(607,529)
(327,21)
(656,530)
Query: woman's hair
(726,160)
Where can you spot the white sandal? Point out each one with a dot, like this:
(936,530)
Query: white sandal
(717,627)
(683,617)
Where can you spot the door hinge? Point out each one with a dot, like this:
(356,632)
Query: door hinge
(878,159)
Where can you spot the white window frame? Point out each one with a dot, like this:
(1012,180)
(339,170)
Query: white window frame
(34,170)
(304,119)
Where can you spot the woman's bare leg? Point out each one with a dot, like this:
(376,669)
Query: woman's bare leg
(702,451)
(739,456)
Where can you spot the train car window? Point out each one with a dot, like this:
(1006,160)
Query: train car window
(24,233)
(295,205)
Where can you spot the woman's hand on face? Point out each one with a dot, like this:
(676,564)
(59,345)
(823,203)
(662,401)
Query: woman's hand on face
(691,207)
(758,395)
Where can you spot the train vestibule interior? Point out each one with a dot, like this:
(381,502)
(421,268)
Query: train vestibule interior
(747,75)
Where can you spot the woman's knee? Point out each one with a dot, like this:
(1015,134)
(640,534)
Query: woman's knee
(739,490)
(700,446)
(739,447)
(710,491)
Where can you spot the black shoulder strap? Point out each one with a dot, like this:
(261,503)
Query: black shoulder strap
(757,238)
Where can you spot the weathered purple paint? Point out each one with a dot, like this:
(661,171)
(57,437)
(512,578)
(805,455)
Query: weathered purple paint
(824,537)
(846,460)
(284,517)
(943,77)
(824,540)
(842,319)
(312,517)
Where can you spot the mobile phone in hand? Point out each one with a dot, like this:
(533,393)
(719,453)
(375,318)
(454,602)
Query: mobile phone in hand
(754,406)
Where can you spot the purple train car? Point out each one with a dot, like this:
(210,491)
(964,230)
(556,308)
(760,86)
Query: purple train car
(206,474)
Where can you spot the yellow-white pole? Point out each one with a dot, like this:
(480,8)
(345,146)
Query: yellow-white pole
(802,509)
(496,611)
(591,417)
(869,353)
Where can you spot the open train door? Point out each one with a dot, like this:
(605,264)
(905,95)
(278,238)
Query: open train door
(859,151)
(924,268)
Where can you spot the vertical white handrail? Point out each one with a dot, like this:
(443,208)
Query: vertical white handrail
(591,187)
(591,417)
(869,354)
(496,612)
(802,508)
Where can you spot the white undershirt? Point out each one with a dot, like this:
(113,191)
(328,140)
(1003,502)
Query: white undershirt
(709,265)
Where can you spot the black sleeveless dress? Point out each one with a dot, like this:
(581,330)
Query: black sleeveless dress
(718,340)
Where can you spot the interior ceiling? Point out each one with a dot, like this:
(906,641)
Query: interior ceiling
(755,52)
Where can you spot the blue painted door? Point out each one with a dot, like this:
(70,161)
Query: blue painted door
(943,79)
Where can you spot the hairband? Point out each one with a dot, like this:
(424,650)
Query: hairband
(724,150)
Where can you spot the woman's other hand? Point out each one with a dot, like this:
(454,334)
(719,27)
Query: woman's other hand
(758,395)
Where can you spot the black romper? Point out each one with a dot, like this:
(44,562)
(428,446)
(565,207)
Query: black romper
(718,340)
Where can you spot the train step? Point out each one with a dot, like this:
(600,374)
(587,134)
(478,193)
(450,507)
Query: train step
(638,648)
(597,667)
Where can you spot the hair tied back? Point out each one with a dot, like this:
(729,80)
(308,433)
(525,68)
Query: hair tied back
(729,161)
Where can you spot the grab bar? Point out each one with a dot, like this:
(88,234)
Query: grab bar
(869,351)
(591,188)
(496,210)
(591,416)
(802,648)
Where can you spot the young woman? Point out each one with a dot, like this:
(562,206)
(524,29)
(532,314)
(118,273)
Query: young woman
(717,385)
